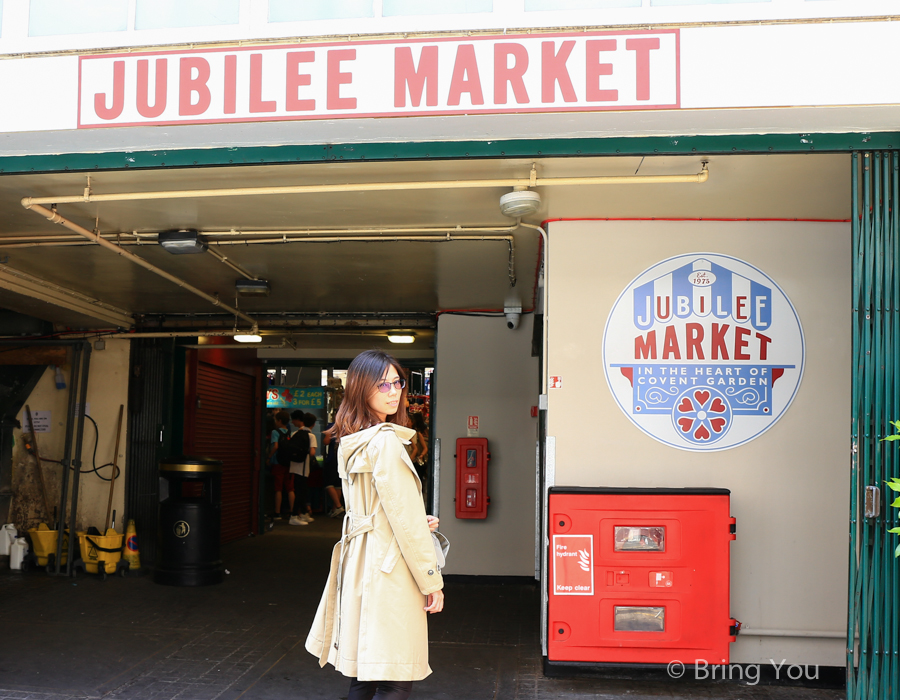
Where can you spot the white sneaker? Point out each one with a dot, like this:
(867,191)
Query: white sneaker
(297,521)
(307,517)
(336,512)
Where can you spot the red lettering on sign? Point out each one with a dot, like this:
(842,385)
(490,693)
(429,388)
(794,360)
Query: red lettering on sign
(642,49)
(594,69)
(229,99)
(553,71)
(143,88)
(694,338)
(739,304)
(295,80)
(764,341)
(719,350)
(418,80)
(465,76)
(670,344)
(740,343)
(336,78)
(188,84)
(118,94)
(504,74)
(257,104)
(645,348)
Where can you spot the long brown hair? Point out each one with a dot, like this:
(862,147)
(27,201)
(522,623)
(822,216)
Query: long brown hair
(363,374)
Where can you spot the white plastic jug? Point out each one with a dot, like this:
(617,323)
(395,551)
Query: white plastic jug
(17,552)
(7,537)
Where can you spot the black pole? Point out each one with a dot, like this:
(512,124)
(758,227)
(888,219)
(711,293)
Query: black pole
(62,523)
(79,440)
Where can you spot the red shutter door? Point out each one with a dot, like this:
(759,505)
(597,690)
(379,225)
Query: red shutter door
(224,430)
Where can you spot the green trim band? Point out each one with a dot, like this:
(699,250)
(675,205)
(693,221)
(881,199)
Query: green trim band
(452,150)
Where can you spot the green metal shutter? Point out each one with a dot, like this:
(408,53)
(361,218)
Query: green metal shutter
(873,670)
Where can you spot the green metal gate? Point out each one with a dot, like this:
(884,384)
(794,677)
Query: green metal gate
(873,643)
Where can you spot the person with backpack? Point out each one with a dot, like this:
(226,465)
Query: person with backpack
(303,450)
(279,461)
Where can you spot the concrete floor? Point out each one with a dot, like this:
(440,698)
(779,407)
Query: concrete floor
(72,639)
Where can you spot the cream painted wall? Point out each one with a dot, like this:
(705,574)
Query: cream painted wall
(790,486)
(107,390)
(485,369)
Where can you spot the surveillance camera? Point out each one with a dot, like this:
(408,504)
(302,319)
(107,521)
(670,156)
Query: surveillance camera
(513,311)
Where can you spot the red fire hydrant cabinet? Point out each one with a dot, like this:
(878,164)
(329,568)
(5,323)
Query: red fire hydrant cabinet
(639,575)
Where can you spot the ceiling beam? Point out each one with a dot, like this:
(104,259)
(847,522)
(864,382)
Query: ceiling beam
(42,290)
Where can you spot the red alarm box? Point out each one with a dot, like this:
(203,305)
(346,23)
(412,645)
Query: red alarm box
(472,498)
(639,575)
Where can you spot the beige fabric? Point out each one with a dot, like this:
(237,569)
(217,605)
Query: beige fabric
(371,623)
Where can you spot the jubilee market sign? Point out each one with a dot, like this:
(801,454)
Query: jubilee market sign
(587,71)
(703,352)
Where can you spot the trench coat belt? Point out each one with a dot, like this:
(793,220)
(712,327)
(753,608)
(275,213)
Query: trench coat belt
(353,526)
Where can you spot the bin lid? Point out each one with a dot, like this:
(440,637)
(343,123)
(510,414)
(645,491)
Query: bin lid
(185,463)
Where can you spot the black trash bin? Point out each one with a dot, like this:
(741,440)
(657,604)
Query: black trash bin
(190,522)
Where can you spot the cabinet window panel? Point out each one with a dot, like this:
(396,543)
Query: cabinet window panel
(398,8)
(540,5)
(307,10)
(58,17)
(166,14)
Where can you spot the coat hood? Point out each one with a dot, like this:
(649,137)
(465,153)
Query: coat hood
(351,445)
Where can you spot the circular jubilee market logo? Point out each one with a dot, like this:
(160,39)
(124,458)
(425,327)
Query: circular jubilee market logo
(703,352)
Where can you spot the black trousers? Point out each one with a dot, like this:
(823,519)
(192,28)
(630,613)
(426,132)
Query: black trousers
(301,490)
(379,690)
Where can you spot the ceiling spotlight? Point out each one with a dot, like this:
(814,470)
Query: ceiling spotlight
(252,288)
(519,203)
(182,241)
(252,337)
(404,337)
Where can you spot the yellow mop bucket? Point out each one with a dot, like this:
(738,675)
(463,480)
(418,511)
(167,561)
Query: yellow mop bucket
(100,553)
(43,543)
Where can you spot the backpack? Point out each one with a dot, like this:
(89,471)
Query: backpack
(282,452)
(298,446)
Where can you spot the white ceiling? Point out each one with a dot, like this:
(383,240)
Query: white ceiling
(354,277)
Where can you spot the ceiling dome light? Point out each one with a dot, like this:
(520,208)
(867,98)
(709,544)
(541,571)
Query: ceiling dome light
(182,241)
(248,338)
(520,203)
(402,337)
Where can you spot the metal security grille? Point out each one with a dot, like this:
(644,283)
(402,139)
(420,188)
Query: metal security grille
(149,406)
(224,430)
(873,668)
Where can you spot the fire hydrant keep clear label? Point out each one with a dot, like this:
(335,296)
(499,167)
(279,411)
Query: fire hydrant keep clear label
(573,565)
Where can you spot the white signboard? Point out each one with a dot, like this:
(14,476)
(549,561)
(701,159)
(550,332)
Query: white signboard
(41,422)
(460,75)
(703,352)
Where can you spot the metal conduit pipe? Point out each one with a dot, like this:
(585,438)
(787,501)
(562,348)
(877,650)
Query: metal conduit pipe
(510,241)
(233,265)
(525,182)
(136,237)
(90,235)
(442,237)
(546,309)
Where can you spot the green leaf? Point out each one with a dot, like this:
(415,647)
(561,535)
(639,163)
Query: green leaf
(890,438)
(896,503)
(895,530)
(897,551)
(893,485)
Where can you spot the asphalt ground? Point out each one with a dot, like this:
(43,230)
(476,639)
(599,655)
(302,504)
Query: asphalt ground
(74,639)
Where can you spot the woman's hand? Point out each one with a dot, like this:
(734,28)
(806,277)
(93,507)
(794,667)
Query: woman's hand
(432,522)
(434,603)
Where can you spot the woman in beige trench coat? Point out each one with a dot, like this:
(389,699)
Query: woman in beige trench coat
(371,623)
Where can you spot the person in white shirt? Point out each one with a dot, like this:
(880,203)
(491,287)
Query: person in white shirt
(302,509)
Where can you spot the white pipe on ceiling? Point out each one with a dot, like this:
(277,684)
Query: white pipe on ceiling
(526,182)
(90,235)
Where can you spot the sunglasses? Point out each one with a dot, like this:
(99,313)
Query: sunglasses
(385,387)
